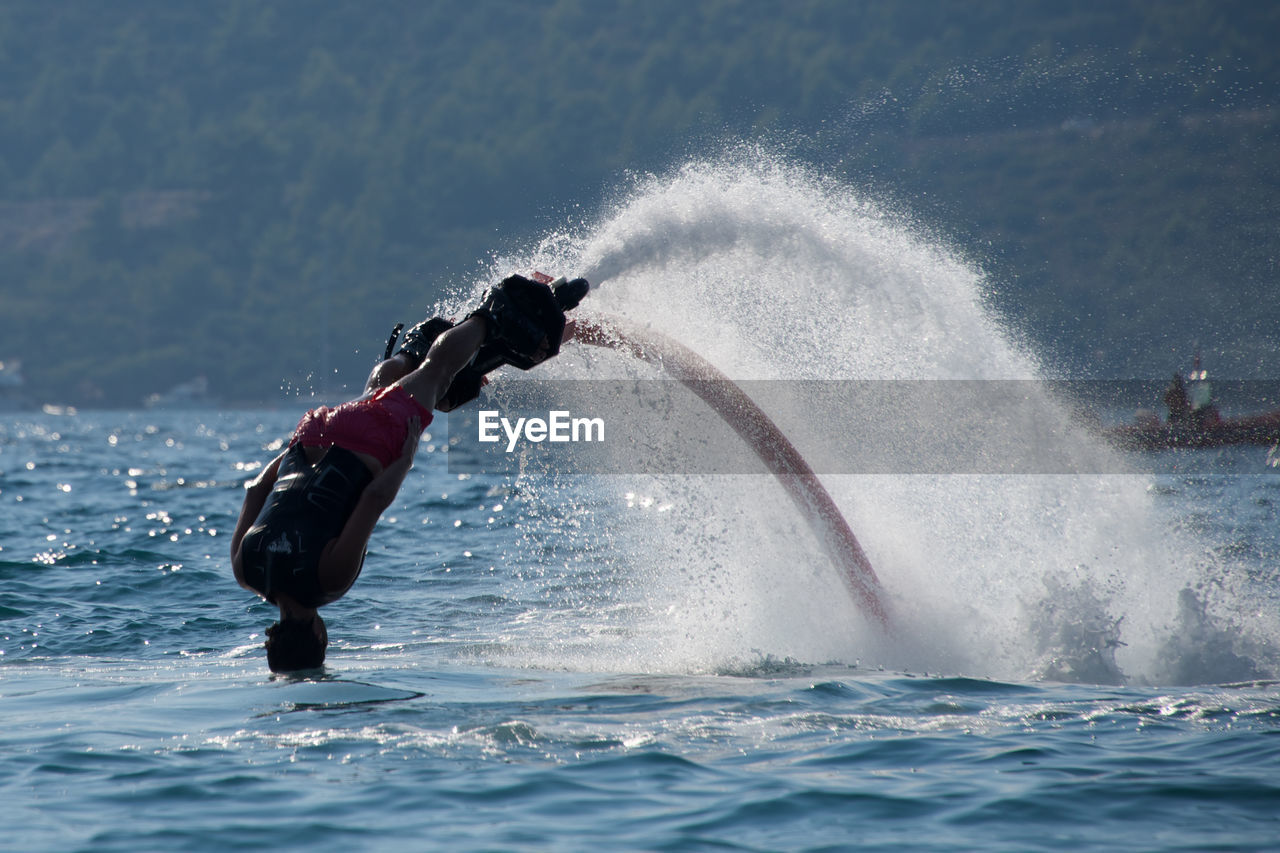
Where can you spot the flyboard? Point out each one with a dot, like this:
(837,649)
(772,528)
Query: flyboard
(761,434)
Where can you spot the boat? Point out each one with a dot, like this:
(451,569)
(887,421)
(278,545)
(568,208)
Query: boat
(1194,421)
(1150,433)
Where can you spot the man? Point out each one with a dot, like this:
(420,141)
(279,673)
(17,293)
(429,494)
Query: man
(1177,401)
(306,520)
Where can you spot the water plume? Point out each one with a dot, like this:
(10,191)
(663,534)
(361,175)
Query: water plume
(773,274)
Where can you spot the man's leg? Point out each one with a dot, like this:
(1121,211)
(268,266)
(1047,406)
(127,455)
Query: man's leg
(388,372)
(451,352)
(414,347)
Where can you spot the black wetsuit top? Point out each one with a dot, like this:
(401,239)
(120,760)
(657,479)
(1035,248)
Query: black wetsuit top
(307,508)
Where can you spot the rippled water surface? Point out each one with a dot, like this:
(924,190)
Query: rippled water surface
(475,700)
(544,660)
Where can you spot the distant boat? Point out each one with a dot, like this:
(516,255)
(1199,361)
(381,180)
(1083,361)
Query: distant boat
(1152,434)
(1194,420)
(192,394)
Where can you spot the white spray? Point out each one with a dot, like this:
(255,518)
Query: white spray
(772,274)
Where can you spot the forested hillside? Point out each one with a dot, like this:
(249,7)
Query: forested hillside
(220,187)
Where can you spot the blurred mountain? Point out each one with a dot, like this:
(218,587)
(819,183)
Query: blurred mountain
(206,189)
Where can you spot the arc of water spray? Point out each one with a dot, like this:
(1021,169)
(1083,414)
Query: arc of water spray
(761,434)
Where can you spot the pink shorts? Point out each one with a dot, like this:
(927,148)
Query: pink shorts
(376,425)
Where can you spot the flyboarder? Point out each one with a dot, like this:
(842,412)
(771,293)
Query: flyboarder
(307,517)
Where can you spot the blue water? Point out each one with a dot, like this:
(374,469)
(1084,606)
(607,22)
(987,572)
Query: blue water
(534,661)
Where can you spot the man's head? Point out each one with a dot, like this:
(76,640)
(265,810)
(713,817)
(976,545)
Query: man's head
(294,644)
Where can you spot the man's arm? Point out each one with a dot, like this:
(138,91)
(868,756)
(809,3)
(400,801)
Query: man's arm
(256,491)
(341,560)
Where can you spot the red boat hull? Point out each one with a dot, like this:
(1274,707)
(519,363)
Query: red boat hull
(1254,429)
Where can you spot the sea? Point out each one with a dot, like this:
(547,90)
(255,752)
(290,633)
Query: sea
(640,658)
